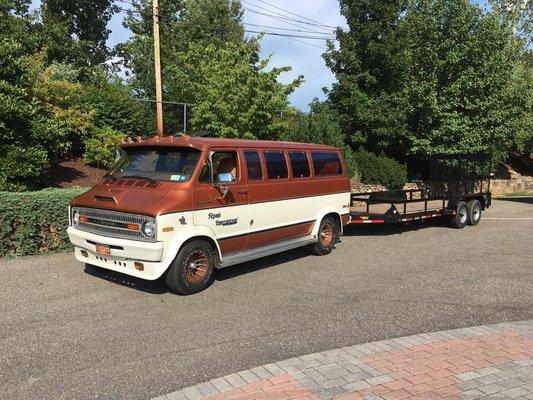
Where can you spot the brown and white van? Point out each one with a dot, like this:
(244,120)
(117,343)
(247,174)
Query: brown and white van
(185,206)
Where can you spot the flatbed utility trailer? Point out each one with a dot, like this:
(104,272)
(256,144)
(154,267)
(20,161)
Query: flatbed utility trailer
(455,186)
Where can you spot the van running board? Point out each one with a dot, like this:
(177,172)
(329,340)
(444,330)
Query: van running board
(264,251)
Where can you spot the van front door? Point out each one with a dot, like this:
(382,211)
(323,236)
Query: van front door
(221,200)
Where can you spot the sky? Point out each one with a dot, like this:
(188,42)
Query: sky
(305,59)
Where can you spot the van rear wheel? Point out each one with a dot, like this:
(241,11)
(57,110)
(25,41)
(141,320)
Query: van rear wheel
(192,269)
(328,233)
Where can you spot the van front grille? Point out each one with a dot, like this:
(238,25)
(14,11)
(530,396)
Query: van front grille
(111,223)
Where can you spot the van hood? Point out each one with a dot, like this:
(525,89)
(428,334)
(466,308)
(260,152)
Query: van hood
(137,197)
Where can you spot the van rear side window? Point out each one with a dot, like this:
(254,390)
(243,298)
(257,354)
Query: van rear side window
(253,165)
(326,164)
(276,165)
(299,164)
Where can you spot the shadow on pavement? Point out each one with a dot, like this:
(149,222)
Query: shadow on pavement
(152,287)
(525,199)
(261,263)
(158,286)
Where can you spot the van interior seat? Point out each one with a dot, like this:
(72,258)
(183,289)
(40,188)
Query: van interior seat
(330,168)
(227,166)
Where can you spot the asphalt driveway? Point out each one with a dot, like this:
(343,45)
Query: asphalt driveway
(69,332)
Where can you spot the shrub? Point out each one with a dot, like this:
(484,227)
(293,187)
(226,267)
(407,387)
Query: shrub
(35,222)
(380,170)
(100,148)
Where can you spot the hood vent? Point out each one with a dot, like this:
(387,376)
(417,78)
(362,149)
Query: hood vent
(131,183)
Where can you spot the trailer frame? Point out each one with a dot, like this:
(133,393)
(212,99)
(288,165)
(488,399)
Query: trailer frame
(451,179)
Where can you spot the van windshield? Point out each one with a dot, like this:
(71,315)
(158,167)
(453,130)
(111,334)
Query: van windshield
(158,164)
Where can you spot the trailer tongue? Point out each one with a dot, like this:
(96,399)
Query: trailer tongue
(456,186)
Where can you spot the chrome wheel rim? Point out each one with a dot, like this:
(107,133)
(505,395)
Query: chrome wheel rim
(326,234)
(476,213)
(463,215)
(196,266)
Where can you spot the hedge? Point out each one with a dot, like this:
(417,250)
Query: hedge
(35,222)
(380,169)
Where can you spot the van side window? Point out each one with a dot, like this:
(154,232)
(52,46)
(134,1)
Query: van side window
(224,168)
(276,165)
(253,166)
(326,164)
(299,164)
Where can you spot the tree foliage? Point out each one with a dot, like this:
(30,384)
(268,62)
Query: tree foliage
(208,63)
(426,76)
(76,30)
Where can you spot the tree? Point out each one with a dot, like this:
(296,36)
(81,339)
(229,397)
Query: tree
(76,30)
(208,62)
(371,70)
(232,95)
(443,87)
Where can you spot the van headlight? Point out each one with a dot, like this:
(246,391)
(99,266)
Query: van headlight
(76,218)
(148,229)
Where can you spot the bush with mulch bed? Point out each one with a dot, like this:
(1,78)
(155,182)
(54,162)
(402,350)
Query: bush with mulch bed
(35,222)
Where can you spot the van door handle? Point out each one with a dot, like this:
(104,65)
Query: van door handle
(242,191)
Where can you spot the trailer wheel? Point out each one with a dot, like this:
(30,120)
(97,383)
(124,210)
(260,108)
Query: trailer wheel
(192,269)
(460,218)
(328,232)
(474,212)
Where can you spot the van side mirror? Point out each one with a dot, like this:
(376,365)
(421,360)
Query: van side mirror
(226,178)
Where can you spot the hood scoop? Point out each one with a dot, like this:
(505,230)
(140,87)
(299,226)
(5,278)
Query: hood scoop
(105,199)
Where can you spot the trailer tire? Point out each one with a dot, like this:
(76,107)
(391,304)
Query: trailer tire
(328,233)
(460,218)
(474,212)
(192,269)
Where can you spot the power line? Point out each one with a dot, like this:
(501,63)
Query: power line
(289,35)
(285,20)
(297,15)
(283,29)
(309,44)
(288,18)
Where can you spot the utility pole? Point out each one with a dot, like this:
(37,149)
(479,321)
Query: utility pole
(157,64)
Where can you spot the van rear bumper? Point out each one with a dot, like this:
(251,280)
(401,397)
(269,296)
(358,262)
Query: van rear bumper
(124,254)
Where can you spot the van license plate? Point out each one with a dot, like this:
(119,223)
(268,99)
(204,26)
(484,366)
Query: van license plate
(103,249)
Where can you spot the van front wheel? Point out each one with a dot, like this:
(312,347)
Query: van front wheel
(192,269)
(328,232)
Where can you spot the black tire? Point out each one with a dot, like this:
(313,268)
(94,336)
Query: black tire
(328,235)
(474,212)
(183,277)
(460,218)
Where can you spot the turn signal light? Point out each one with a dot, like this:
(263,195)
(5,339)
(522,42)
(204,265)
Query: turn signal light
(84,253)
(84,218)
(139,266)
(133,227)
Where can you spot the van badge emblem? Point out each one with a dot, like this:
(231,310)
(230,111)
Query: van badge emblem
(182,221)
(226,222)
(214,215)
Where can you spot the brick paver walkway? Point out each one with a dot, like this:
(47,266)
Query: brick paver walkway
(486,362)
